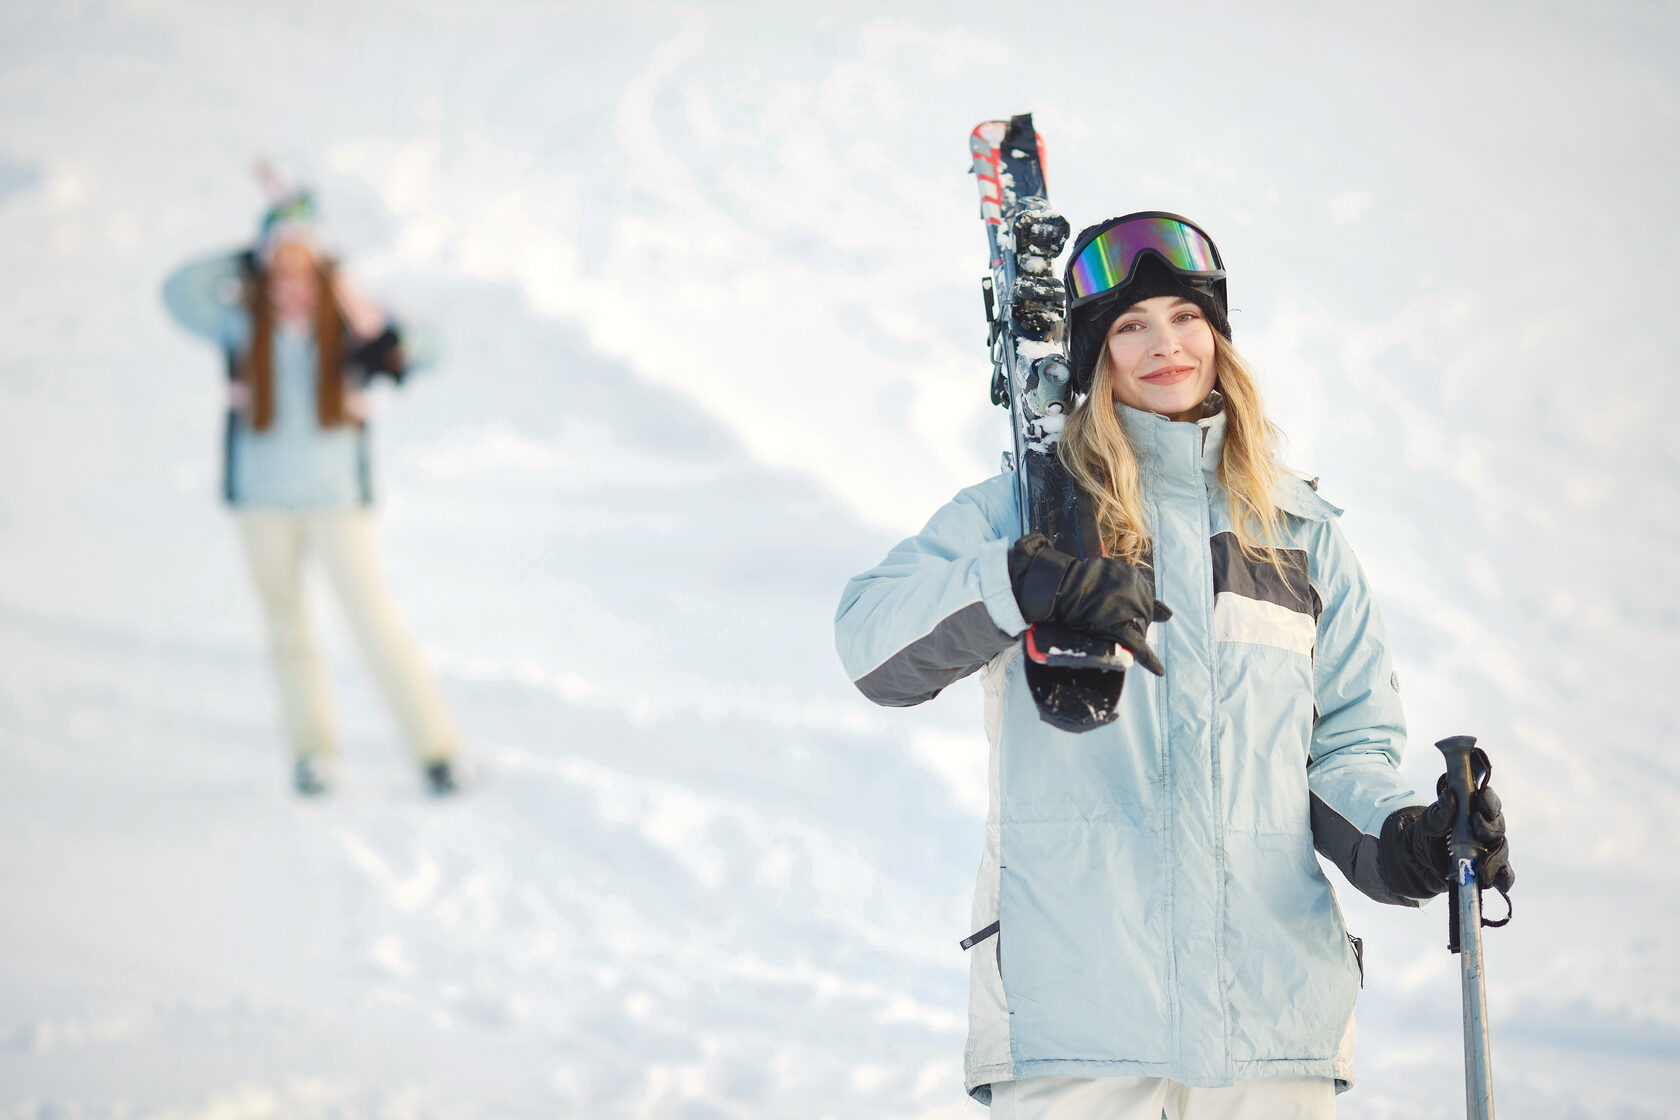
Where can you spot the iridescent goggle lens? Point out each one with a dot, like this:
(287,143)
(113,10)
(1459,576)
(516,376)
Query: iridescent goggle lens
(1112,256)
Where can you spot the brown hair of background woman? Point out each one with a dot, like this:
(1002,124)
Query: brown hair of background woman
(256,368)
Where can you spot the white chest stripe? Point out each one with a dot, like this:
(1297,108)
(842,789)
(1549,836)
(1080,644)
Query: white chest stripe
(1237,618)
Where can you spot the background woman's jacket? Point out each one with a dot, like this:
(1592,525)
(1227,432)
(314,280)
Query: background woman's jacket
(1159,908)
(294,464)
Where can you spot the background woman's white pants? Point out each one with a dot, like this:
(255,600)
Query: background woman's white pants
(1151,1098)
(276,544)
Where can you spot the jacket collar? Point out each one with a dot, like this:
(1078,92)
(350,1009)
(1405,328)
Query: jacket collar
(1182,451)
(1175,449)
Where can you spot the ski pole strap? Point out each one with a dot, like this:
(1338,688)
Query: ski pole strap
(1484,768)
(1503,893)
(1454,934)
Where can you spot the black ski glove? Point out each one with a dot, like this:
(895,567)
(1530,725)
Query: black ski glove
(1412,850)
(383,355)
(1102,597)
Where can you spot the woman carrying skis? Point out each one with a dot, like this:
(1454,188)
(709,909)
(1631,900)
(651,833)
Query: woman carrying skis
(301,344)
(1154,934)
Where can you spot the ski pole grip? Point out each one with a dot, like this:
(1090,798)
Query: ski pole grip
(1462,779)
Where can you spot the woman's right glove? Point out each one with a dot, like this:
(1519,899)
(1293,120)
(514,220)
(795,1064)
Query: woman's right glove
(1412,850)
(1102,597)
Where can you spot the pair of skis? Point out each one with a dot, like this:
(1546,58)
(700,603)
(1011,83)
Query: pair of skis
(1076,681)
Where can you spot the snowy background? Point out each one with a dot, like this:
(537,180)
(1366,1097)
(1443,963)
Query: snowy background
(707,285)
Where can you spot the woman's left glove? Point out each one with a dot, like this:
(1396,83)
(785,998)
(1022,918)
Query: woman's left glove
(1103,597)
(1412,850)
(383,354)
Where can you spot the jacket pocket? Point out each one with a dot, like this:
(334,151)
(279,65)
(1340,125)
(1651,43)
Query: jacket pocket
(1356,944)
(993,931)
(1266,702)
(990,1045)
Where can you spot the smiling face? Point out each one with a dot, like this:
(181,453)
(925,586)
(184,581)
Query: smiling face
(293,281)
(1161,357)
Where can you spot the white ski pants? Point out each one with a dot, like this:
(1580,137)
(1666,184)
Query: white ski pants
(1152,1098)
(342,541)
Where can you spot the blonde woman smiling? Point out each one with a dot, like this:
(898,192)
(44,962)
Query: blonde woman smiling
(1153,934)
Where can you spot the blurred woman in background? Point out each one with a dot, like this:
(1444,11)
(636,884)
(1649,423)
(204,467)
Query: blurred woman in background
(302,344)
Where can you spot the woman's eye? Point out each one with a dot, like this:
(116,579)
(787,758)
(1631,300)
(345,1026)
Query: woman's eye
(1185,316)
(1128,327)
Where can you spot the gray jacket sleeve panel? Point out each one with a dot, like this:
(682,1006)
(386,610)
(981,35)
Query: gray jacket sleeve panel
(938,606)
(1360,730)
(957,646)
(1353,852)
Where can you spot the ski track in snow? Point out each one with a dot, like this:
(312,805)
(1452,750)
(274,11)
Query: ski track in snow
(569,933)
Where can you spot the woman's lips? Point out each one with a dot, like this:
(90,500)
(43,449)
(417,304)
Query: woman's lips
(1171,375)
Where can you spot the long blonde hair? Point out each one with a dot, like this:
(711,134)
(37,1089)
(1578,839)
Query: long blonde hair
(1094,449)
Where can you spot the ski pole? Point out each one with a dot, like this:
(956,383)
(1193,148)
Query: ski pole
(1465,772)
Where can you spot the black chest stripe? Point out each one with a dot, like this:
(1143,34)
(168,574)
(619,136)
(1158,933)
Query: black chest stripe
(1259,580)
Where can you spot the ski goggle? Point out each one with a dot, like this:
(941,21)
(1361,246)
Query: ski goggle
(1111,258)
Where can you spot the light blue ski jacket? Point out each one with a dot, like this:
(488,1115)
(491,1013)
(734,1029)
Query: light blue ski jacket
(1159,911)
(295,464)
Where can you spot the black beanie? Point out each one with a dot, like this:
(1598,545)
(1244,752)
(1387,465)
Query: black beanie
(1088,325)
